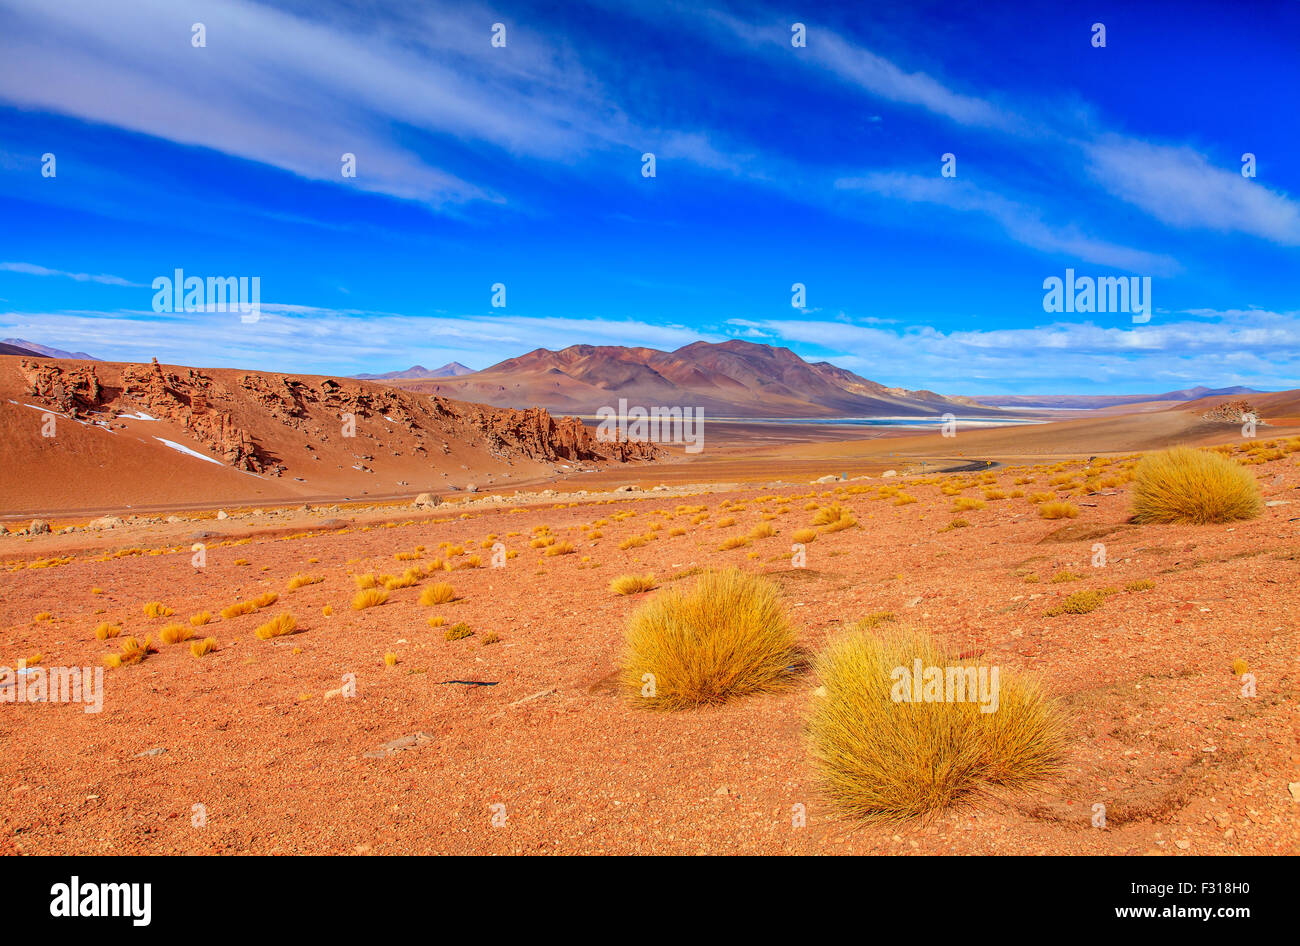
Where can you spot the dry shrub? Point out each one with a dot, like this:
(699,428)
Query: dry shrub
(439,593)
(175,634)
(725,637)
(560,548)
(1058,510)
(156,609)
(301,580)
(203,647)
(369,598)
(762,531)
(964,503)
(846,522)
(278,626)
(1193,486)
(633,584)
(804,536)
(203,617)
(734,542)
(827,515)
(888,760)
(106,630)
(1080,602)
(364,581)
(457,632)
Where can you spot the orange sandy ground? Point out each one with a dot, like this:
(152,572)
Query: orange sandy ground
(1159,732)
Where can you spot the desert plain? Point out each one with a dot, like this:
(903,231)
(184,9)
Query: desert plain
(377,730)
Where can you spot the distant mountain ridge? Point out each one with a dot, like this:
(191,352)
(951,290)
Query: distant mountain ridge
(452,369)
(1085,402)
(35,348)
(725,379)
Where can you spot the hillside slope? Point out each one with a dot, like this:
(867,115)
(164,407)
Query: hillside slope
(726,379)
(132,434)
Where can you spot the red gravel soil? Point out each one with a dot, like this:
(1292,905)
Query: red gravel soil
(516,739)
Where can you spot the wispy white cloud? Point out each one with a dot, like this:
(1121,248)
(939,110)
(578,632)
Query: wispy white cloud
(1238,347)
(1021,222)
(311,339)
(31,269)
(858,66)
(1180,187)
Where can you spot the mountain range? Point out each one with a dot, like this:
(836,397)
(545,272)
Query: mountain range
(21,346)
(725,379)
(452,369)
(1085,402)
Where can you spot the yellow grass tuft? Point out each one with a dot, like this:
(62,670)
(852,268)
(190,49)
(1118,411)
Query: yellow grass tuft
(175,634)
(561,548)
(112,661)
(156,609)
(633,584)
(839,525)
(1080,602)
(439,593)
(106,630)
(725,637)
(390,659)
(827,515)
(198,620)
(1058,510)
(885,759)
(1193,486)
(278,626)
(437,621)
(301,580)
(369,598)
(804,536)
(1239,667)
(364,581)
(458,631)
(203,647)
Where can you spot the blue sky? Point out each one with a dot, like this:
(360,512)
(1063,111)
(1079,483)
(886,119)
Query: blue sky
(775,165)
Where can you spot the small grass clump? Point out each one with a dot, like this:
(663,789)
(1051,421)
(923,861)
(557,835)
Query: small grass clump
(1142,584)
(1064,576)
(175,634)
(725,637)
(966,503)
(437,621)
(560,548)
(804,536)
(302,580)
(156,609)
(1239,667)
(1198,487)
(436,594)
(828,515)
(1079,602)
(457,632)
(390,659)
(888,760)
(203,647)
(633,584)
(734,542)
(369,598)
(198,620)
(278,626)
(106,630)
(1058,509)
